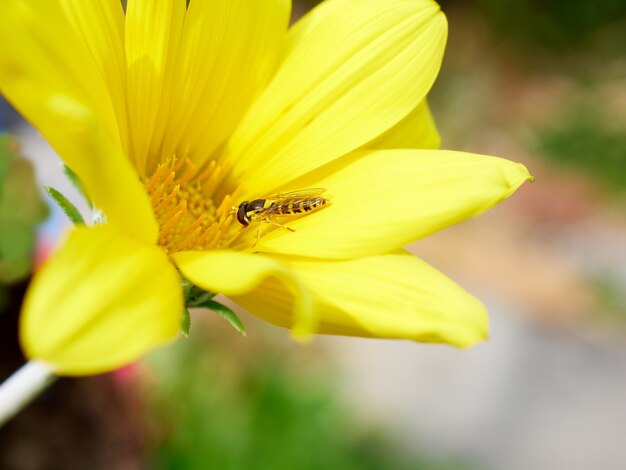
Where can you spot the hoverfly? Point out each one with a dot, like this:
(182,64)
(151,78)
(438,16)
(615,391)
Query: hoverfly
(295,203)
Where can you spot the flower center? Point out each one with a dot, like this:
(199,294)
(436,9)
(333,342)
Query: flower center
(182,200)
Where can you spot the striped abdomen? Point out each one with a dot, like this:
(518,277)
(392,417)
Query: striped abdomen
(296,206)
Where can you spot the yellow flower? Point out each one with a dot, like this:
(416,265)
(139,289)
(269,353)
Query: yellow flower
(171,115)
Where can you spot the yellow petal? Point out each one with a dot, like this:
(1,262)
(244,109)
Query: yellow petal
(416,131)
(229,50)
(353,70)
(153,31)
(235,273)
(100,24)
(383,200)
(100,302)
(389,296)
(49,75)
(43,54)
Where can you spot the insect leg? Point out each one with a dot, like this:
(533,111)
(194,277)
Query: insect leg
(273,222)
(258,234)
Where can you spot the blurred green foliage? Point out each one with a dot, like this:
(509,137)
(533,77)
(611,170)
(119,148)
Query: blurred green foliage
(550,25)
(250,405)
(21,210)
(584,141)
(611,295)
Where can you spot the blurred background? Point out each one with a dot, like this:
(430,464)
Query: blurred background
(543,83)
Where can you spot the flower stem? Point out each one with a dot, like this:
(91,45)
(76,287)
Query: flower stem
(24,385)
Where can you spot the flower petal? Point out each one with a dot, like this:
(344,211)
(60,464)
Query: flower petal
(153,31)
(100,24)
(416,131)
(50,76)
(44,54)
(353,70)
(383,200)
(389,296)
(100,302)
(235,273)
(229,50)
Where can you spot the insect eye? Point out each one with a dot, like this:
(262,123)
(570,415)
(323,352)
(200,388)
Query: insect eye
(256,205)
(242,218)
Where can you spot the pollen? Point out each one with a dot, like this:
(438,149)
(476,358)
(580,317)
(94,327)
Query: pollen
(183,204)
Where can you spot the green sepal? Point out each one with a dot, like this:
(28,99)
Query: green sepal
(196,297)
(185,324)
(227,314)
(77,183)
(66,206)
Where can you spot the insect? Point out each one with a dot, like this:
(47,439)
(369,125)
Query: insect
(295,203)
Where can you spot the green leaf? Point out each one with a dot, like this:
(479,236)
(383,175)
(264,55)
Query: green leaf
(20,199)
(76,182)
(17,242)
(66,206)
(21,209)
(227,314)
(6,156)
(185,324)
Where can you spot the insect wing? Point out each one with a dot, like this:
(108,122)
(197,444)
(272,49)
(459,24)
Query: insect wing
(282,201)
(310,193)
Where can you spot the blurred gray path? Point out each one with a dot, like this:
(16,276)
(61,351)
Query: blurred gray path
(530,398)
